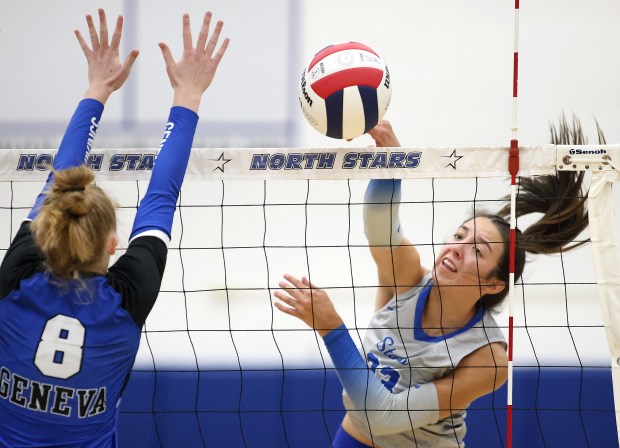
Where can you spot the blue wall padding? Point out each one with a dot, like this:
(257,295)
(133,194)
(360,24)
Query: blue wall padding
(303,408)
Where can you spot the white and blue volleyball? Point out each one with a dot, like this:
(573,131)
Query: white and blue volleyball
(345,90)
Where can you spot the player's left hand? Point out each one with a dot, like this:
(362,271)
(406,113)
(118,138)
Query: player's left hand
(308,303)
(192,75)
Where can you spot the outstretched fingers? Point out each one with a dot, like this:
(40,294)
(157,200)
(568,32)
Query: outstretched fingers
(214,38)
(208,48)
(192,74)
(99,40)
(118,32)
(85,48)
(287,310)
(126,67)
(293,288)
(167,54)
(92,31)
(298,286)
(303,300)
(220,53)
(204,31)
(291,303)
(304,284)
(106,72)
(187,34)
(308,284)
(103,29)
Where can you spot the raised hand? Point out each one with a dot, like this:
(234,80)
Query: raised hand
(383,135)
(308,303)
(106,73)
(194,72)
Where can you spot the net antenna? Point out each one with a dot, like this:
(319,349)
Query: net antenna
(513,169)
(602,233)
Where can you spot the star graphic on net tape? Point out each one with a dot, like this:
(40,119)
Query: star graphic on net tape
(221,162)
(453,158)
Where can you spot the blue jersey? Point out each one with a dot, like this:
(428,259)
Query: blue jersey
(67,347)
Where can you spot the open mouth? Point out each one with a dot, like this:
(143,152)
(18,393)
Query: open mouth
(448,264)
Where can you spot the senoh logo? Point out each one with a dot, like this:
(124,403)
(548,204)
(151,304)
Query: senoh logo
(578,151)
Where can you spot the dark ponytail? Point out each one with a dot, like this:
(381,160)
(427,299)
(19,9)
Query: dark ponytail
(561,200)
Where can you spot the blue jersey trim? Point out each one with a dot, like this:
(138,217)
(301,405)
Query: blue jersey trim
(419,333)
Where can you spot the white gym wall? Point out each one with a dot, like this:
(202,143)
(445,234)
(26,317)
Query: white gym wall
(450,63)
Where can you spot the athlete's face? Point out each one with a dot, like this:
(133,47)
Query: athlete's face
(470,256)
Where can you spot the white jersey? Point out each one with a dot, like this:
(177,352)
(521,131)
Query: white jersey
(403,355)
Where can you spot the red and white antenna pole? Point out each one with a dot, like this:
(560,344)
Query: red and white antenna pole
(513,168)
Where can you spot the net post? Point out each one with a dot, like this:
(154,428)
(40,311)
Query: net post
(606,254)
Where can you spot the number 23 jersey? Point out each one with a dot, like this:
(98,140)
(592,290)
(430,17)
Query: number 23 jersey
(402,355)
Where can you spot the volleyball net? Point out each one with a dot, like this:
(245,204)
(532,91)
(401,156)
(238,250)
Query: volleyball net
(218,364)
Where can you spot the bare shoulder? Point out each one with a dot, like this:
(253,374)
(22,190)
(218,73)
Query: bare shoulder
(491,360)
(489,355)
(479,373)
(398,270)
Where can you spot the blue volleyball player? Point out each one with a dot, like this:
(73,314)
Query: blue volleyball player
(69,326)
(432,345)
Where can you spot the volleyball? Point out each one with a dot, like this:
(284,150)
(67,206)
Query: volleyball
(345,90)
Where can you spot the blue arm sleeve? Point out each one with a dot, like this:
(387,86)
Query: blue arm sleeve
(156,209)
(386,412)
(381,212)
(383,191)
(75,145)
(356,378)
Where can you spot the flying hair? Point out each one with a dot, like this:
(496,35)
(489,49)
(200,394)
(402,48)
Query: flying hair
(560,198)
